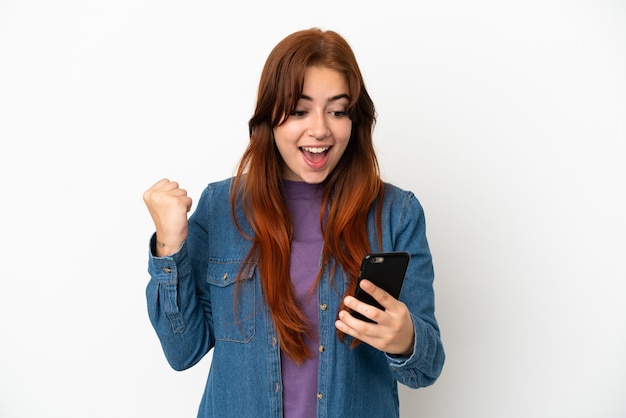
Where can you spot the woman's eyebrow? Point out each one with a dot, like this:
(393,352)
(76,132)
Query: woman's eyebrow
(331,99)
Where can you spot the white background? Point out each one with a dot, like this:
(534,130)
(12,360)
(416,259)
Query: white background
(507,119)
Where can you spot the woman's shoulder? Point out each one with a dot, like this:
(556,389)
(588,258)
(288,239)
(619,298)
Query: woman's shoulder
(392,190)
(396,196)
(219,187)
(221,184)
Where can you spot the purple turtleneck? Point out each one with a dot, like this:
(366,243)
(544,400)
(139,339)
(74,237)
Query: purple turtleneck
(300,381)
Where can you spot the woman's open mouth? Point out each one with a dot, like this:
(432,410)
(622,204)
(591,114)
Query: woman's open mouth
(315,156)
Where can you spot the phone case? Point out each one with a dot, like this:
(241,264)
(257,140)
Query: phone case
(385,270)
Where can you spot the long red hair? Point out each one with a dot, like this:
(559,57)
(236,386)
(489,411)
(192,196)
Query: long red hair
(349,191)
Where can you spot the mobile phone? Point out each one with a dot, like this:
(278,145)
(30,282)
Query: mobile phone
(386,270)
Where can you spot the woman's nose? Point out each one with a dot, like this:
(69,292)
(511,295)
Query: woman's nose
(319,127)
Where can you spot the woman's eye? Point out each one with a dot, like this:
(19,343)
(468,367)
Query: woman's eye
(339,113)
(298,113)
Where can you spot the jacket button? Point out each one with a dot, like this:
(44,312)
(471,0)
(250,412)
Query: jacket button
(319,396)
(273,341)
(225,276)
(323,306)
(321,348)
(167,270)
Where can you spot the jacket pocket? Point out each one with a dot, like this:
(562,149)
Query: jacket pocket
(233,300)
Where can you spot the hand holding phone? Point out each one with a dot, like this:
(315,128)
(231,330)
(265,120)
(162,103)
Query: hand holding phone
(386,270)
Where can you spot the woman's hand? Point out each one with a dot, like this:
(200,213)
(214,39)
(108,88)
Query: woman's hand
(393,332)
(168,205)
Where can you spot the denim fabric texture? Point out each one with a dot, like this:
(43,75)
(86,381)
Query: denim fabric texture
(191,304)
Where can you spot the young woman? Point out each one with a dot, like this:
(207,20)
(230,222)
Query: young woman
(264,270)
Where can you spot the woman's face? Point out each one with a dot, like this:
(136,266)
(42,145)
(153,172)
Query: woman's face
(312,139)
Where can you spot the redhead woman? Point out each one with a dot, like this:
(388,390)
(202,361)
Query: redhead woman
(264,271)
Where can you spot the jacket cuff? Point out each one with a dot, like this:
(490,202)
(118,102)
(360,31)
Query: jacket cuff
(167,268)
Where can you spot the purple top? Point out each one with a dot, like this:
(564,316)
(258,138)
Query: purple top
(300,382)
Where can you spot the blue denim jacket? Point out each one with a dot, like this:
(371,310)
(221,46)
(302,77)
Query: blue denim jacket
(191,305)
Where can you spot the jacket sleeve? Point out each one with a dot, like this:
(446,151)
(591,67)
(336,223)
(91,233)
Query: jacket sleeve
(424,365)
(181,319)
